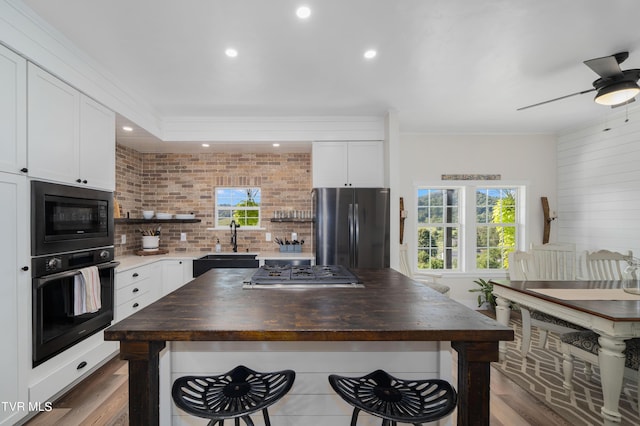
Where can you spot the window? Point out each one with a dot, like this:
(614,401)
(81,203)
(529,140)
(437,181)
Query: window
(438,228)
(495,227)
(467,227)
(239,204)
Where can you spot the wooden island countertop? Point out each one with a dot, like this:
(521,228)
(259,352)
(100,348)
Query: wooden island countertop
(391,307)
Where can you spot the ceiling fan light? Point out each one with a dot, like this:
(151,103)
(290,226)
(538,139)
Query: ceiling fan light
(617,93)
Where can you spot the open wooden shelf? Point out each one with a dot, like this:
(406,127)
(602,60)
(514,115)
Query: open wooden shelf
(292,220)
(125,220)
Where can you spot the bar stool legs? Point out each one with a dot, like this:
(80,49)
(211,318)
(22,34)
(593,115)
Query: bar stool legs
(233,395)
(395,400)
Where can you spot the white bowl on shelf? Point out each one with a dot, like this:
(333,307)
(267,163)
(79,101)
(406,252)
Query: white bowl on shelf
(186,216)
(147,214)
(164,216)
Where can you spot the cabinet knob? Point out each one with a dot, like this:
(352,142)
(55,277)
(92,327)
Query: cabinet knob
(82,365)
(180,262)
(24,170)
(25,268)
(135,290)
(135,274)
(135,305)
(84,181)
(79,180)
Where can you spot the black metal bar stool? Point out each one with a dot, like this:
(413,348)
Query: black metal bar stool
(233,395)
(396,400)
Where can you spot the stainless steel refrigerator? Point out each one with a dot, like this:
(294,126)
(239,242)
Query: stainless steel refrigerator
(351,227)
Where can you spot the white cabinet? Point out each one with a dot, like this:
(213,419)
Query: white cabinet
(15,291)
(175,274)
(136,288)
(51,379)
(97,145)
(71,138)
(13,110)
(352,164)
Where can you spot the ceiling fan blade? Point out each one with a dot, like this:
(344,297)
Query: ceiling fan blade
(556,99)
(607,66)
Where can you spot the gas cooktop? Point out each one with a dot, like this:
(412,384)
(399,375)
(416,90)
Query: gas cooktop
(279,276)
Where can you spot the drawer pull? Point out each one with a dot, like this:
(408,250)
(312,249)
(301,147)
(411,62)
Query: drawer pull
(135,274)
(135,305)
(135,290)
(82,365)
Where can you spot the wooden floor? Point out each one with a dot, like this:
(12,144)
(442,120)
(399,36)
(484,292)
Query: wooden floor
(102,400)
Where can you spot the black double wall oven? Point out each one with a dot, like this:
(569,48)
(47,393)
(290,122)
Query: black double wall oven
(72,232)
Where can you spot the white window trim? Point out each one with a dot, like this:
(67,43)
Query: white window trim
(467,210)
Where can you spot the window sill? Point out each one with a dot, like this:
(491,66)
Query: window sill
(240,228)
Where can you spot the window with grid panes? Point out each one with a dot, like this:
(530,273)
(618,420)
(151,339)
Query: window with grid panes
(467,227)
(495,226)
(239,204)
(438,228)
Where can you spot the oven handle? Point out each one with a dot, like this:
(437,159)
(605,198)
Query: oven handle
(47,278)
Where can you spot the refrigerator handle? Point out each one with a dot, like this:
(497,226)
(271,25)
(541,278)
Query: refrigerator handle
(351,234)
(356,234)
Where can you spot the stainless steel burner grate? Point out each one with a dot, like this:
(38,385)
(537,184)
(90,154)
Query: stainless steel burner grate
(317,275)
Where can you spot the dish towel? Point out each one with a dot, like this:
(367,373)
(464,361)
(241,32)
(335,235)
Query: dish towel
(86,294)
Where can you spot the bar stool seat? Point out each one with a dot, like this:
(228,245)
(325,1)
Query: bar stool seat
(396,400)
(233,395)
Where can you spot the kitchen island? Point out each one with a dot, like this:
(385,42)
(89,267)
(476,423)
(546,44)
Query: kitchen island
(390,308)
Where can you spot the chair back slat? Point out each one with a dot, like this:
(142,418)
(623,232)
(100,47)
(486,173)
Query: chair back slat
(606,265)
(555,262)
(521,266)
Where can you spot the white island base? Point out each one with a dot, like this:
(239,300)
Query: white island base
(311,401)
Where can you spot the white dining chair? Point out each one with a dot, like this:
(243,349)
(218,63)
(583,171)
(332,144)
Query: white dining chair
(606,265)
(555,262)
(601,265)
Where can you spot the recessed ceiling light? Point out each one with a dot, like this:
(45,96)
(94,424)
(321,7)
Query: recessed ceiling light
(276,145)
(127,128)
(231,52)
(205,145)
(370,54)
(303,12)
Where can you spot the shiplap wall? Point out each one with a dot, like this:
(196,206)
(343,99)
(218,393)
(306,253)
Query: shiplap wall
(598,175)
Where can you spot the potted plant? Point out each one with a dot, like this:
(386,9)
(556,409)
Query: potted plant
(486,297)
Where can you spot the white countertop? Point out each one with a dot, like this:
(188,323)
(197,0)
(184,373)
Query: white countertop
(135,261)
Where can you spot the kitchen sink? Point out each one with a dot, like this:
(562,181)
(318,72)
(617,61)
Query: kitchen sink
(224,260)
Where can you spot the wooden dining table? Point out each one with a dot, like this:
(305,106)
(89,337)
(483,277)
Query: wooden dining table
(601,306)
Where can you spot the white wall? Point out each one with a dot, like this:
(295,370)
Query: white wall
(527,159)
(599,184)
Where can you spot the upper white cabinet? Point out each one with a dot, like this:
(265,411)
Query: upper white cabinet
(13,110)
(97,144)
(351,164)
(71,138)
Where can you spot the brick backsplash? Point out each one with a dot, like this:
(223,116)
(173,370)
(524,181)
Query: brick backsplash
(186,183)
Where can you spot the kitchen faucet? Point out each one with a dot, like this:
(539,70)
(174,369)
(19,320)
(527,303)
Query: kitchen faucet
(234,235)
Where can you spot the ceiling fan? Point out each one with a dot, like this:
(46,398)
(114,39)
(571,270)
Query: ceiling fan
(615,87)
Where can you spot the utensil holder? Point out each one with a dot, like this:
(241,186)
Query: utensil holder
(150,242)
